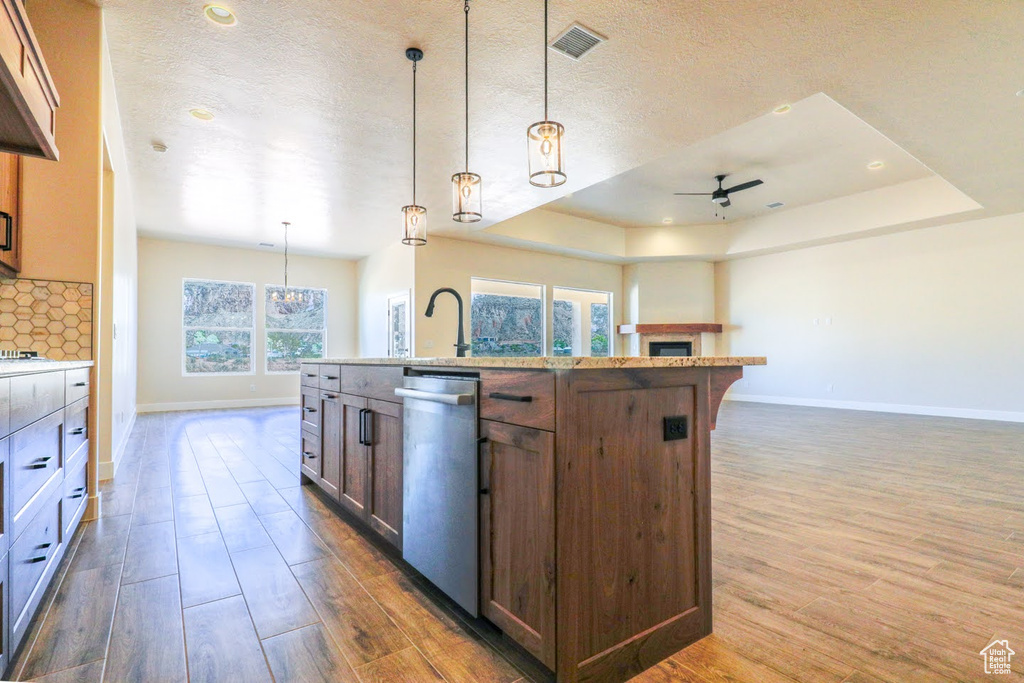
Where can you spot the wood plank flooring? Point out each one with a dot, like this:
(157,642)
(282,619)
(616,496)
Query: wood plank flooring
(848,547)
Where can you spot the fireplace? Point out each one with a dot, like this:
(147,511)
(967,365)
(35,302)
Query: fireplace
(670,348)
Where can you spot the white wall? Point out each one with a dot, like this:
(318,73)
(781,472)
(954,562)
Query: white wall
(385,273)
(928,321)
(452,263)
(118,323)
(163,265)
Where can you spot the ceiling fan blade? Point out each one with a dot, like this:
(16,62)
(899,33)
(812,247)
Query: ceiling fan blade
(693,194)
(727,203)
(744,186)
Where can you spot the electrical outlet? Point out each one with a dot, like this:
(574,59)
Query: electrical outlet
(828,321)
(816,322)
(252,387)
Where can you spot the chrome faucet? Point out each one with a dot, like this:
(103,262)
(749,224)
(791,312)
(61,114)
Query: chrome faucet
(460,344)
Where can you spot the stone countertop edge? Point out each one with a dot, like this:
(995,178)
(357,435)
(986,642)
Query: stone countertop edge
(11,368)
(557,362)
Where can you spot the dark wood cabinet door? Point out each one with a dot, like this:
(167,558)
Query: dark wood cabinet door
(309,402)
(10,204)
(352,489)
(385,438)
(310,455)
(517,530)
(331,429)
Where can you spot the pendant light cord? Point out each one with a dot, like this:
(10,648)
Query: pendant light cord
(414,133)
(467,85)
(545,60)
(286,224)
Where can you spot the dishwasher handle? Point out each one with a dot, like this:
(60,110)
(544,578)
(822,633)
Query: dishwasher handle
(449,399)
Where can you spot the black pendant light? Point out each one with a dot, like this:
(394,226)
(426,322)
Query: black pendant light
(466,186)
(414,216)
(546,139)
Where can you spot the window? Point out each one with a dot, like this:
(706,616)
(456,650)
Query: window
(295,329)
(399,326)
(582,322)
(506,318)
(217,318)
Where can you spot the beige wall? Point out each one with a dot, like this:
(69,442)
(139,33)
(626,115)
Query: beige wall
(669,292)
(388,272)
(452,263)
(926,321)
(163,265)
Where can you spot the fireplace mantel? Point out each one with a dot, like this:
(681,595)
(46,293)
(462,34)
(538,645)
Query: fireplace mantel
(671,328)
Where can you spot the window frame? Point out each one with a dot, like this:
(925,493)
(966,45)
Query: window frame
(267,329)
(185,330)
(545,309)
(611,318)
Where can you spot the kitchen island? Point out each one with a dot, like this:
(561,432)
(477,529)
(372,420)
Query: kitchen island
(591,487)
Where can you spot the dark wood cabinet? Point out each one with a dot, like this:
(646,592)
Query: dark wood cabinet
(385,459)
(10,214)
(330,449)
(309,454)
(517,535)
(354,474)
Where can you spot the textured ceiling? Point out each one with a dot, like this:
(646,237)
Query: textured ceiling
(312,100)
(816,152)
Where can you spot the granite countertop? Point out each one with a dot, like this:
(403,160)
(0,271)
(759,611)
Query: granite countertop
(559,362)
(25,367)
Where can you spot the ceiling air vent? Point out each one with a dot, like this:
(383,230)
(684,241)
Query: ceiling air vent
(576,41)
(775,205)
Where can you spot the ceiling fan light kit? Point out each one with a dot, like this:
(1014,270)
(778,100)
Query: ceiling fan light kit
(720,197)
(414,216)
(466,186)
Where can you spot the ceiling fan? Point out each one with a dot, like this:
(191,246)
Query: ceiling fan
(721,195)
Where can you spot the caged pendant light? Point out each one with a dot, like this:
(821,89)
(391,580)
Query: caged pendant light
(546,139)
(466,186)
(414,217)
(287,296)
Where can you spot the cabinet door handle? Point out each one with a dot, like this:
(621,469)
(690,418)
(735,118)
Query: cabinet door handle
(368,429)
(309,410)
(78,430)
(499,396)
(8,231)
(309,374)
(77,493)
(330,397)
(309,454)
(81,384)
(37,558)
(327,377)
(362,426)
(40,463)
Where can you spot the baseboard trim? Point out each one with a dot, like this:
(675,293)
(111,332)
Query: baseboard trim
(216,405)
(934,411)
(107,470)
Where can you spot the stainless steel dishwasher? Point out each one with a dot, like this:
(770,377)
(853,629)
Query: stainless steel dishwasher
(441,488)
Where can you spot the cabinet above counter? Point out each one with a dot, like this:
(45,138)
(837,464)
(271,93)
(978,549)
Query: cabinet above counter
(28,97)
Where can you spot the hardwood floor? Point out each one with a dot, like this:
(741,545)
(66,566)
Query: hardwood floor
(848,546)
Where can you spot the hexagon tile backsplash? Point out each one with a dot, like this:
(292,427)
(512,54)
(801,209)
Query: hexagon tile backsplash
(52,318)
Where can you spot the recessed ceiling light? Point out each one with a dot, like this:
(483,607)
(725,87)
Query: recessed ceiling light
(201,114)
(159,147)
(666,221)
(266,244)
(1020,93)
(220,15)
(775,205)
(875,165)
(782,109)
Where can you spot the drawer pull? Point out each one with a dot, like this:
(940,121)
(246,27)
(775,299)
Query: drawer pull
(81,384)
(77,492)
(40,463)
(37,558)
(328,377)
(307,374)
(78,430)
(328,397)
(309,410)
(498,396)
(309,454)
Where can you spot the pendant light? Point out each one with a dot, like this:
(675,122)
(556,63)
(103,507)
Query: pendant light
(414,216)
(466,187)
(288,296)
(546,139)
